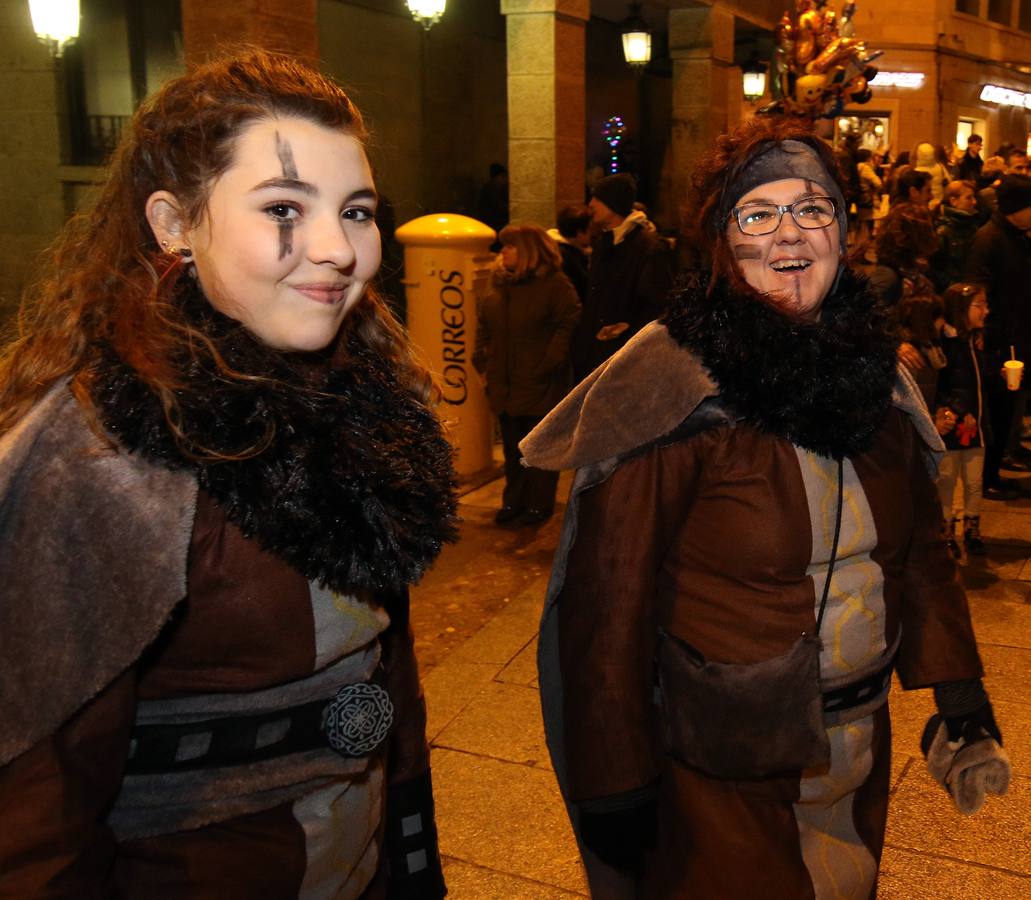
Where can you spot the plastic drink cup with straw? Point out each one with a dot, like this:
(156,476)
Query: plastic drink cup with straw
(1014,370)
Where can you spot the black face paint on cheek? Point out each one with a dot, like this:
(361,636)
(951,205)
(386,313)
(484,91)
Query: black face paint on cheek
(286,229)
(748,251)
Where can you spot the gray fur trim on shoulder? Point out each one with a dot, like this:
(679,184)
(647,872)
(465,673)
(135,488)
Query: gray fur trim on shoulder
(638,395)
(93,546)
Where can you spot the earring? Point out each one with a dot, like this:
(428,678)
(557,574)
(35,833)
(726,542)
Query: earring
(185,252)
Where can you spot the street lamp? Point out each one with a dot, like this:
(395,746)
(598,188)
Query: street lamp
(427,12)
(754,77)
(637,39)
(56,22)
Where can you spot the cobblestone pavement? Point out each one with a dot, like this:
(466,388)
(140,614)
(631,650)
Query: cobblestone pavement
(503,829)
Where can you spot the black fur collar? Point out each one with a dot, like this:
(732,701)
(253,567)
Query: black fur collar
(355,487)
(824,386)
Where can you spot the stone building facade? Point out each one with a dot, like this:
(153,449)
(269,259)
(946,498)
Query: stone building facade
(527,83)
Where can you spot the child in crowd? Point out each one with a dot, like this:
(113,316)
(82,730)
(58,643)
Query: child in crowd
(961,415)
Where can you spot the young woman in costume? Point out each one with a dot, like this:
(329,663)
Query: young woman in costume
(752,546)
(219,472)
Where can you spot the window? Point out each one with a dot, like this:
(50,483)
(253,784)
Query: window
(125,50)
(970,7)
(1000,11)
(1025,15)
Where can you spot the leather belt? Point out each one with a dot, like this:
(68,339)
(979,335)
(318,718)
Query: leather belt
(354,723)
(858,692)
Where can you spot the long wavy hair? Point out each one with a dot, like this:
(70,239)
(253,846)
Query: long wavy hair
(718,170)
(105,282)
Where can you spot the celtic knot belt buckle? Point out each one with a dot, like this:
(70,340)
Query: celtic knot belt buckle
(358,719)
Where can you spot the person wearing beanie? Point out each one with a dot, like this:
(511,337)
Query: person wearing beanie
(629,277)
(1000,260)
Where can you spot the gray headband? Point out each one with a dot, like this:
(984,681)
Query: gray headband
(787,159)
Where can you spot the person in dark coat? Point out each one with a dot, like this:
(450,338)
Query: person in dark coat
(1000,260)
(572,233)
(630,275)
(962,415)
(971,164)
(955,231)
(522,350)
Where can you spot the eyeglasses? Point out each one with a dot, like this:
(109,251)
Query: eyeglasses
(764,218)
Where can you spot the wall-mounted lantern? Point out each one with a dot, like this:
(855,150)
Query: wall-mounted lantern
(637,39)
(754,79)
(56,22)
(426,12)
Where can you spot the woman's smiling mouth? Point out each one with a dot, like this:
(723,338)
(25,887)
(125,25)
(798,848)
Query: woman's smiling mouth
(791,266)
(328,294)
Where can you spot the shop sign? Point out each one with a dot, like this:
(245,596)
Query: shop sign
(993,93)
(898,79)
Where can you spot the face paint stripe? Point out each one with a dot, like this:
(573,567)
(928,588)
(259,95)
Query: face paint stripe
(748,251)
(286,159)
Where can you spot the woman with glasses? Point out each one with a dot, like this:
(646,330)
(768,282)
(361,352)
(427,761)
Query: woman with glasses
(962,414)
(752,545)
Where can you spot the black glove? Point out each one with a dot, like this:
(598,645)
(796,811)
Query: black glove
(975,726)
(410,842)
(620,837)
(966,711)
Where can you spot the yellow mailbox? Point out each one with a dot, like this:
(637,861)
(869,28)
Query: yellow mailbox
(447,269)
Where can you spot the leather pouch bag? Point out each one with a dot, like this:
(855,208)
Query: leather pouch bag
(747,721)
(743,721)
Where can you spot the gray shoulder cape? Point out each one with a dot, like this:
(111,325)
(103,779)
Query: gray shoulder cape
(93,546)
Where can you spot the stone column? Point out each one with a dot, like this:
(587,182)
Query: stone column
(701,44)
(288,26)
(546,107)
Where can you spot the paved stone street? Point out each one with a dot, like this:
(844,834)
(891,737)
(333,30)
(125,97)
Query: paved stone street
(503,830)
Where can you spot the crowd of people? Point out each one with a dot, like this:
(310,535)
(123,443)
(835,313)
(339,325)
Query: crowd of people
(958,227)
(221,468)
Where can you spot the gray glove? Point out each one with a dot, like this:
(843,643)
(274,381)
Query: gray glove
(965,756)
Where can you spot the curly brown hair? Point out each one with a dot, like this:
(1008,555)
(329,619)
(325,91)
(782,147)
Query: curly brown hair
(718,170)
(106,282)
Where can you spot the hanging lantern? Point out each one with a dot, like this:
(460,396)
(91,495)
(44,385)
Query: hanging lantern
(754,79)
(637,39)
(56,22)
(427,12)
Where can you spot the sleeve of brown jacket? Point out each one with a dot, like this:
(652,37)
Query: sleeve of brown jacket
(938,641)
(53,799)
(483,336)
(607,619)
(408,754)
(565,313)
